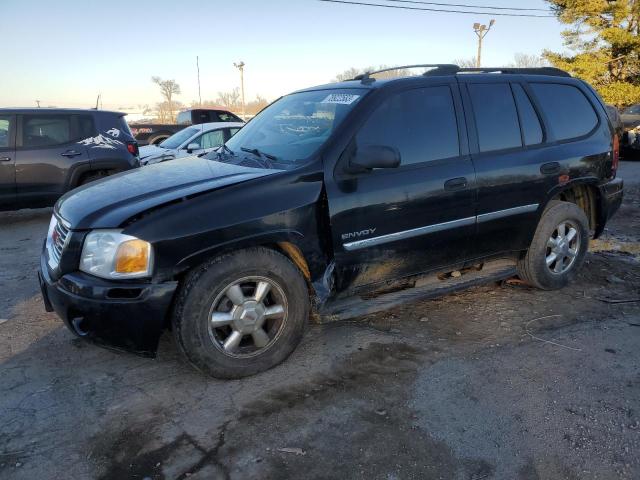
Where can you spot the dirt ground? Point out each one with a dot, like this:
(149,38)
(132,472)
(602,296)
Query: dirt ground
(498,382)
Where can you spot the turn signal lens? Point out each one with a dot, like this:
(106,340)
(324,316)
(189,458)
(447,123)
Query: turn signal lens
(133,256)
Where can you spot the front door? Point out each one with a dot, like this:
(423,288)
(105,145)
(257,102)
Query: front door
(390,223)
(208,142)
(7,161)
(47,149)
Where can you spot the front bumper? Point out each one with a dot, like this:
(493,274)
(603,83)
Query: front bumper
(125,316)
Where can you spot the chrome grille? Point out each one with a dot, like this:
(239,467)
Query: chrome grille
(56,242)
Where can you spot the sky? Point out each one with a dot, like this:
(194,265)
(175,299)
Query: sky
(66,52)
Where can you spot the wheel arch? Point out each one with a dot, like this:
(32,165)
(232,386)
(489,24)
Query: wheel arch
(82,169)
(290,243)
(585,194)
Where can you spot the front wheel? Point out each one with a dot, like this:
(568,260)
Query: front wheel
(558,248)
(241,313)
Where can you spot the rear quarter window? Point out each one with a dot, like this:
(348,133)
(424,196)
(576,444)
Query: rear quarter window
(567,110)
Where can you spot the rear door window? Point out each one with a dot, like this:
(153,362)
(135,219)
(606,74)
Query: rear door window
(529,121)
(82,126)
(568,111)
(211,139)
(5,124)
(420,123)
(46,130)
(496,116)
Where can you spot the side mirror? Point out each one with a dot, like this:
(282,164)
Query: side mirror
(369,157)
(193,146)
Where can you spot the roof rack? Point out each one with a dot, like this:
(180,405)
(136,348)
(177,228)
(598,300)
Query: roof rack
(551,71)
(450,69)
(443,68)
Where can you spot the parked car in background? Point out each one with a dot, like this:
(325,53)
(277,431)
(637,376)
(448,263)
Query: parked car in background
(434,182)
(45,152)
(630,116)
(155,133)
(194,140)
(630,141)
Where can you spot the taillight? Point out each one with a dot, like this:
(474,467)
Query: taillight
(616,155)
(133,148)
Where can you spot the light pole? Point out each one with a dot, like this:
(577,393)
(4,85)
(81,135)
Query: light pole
(240,66)
(481,32)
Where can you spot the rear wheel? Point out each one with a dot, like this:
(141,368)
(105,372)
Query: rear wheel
(241,313)
(558,247)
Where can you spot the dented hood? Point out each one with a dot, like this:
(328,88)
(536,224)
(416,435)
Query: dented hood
(110,202)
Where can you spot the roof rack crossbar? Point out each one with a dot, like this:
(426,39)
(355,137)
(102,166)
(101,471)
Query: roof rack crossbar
(450,69)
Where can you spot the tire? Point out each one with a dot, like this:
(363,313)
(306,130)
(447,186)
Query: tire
(156,139)
(209,292)
(534,269)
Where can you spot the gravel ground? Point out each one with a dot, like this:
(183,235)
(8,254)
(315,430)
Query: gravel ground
(500,381)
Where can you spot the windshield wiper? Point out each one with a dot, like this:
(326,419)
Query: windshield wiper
(226,149)
(258,153)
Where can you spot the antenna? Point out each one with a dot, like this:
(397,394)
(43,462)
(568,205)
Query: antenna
(198,67)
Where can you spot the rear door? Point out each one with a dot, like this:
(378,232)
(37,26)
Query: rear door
(394,222)
(510,184)
(7,160)
(518,159)
(47,148)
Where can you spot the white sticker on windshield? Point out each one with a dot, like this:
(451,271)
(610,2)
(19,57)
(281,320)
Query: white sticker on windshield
(341,98)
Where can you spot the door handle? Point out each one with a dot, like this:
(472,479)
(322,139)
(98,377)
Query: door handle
(5,159)
(551,168)
(455,183)
(71,153)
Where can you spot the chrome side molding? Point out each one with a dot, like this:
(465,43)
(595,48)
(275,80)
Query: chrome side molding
(438,227)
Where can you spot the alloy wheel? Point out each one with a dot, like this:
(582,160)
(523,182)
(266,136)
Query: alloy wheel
(248,316)
(562,248)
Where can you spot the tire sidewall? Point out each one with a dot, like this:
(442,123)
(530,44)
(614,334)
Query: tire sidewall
(191,319)
(553,216)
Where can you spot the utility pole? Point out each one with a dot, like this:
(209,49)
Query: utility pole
(198,67)
(481,32)
(240,66)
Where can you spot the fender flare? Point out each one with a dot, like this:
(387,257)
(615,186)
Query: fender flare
(309,259)
(77,171)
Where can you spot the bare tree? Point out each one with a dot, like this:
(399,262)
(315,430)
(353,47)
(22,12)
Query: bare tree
(231,99)
(465,62)
(349,74)
(168,88)
(353,72)
(524,60)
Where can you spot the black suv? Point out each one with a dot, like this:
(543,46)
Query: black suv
(45,152)
(329,202)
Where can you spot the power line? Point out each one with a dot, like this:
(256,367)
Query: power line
(471,6)
(439,9)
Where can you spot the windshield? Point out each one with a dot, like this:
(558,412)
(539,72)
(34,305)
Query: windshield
(177,139)
(291,129)
(632,110)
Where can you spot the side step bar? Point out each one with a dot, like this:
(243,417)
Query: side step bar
(426,288)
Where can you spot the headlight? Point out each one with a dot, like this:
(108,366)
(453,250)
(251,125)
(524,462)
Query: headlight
(111,254)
